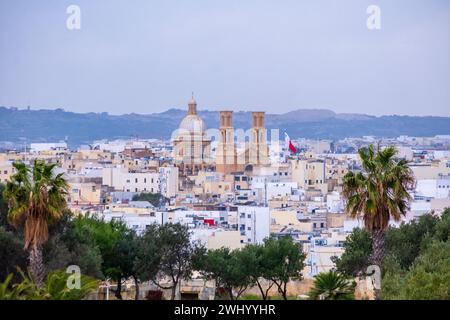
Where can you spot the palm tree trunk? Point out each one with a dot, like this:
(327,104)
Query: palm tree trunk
(37,265)
(378,250)
(378,243)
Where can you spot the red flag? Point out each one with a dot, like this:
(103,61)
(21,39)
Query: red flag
(289,143)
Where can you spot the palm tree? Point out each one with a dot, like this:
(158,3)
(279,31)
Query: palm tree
(378,193)
(332,286)
(36,197)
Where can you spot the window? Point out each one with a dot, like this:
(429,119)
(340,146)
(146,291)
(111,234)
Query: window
(136,180)
(314,225)
(5,172)
(145,180)
(136,189)
(249,228)
(249,216)
(322,225)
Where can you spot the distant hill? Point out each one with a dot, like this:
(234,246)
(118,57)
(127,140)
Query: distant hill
(81,128)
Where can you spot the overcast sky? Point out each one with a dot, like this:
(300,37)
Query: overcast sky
(146,56)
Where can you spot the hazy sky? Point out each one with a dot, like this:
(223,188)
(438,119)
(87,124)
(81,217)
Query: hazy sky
(147,56)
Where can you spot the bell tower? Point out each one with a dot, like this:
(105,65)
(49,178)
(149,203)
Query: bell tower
(258,151)
(226,150)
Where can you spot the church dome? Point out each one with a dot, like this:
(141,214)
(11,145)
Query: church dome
(192,123)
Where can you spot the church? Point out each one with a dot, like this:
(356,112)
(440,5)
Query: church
(192,146)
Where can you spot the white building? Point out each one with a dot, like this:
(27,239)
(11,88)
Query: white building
(165,181)
(434,188)
(122,180)
(254,223)
(335,203)
(168,177)
(139,221)
(40,147)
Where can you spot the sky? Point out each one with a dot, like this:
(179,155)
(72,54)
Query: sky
(147,56)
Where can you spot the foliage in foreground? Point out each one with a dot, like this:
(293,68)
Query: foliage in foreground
(416,265)
(332,285)
(55,287)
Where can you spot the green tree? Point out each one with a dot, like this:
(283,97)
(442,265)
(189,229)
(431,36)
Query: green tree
(228,269)
(332,285)
(407,241)
(148,255)
(73,248)
(378,194)
(283,261)
(3,209)
(428,278)
(36,198)
(442,231)
(67,246)
(12,254)
(357,249)
(122,262)
(115,243)
(177,254)
(257,268)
